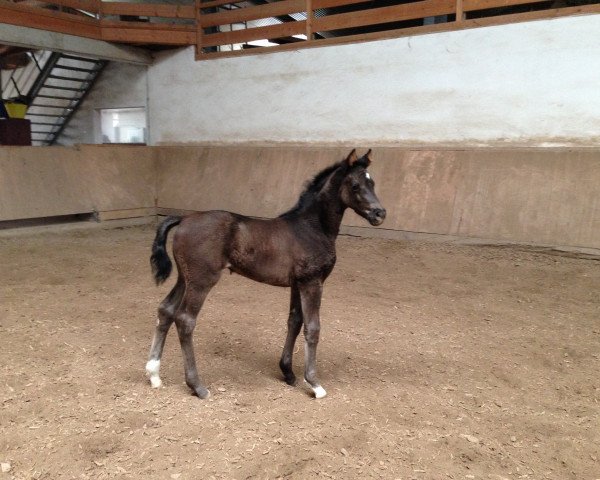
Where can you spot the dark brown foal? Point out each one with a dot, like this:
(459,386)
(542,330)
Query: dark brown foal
(296,249)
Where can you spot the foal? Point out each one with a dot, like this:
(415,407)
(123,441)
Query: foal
(296,249)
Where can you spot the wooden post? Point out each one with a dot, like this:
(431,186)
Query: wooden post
(309,20)
(460,14)
(199,30)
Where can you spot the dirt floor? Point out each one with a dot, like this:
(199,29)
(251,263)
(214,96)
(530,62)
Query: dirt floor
(440,362)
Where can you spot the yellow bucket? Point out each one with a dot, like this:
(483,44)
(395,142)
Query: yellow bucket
(16,110)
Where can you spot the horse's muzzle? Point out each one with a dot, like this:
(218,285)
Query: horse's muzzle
(376,216)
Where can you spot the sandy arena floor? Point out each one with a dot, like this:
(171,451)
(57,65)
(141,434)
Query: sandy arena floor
(440,361)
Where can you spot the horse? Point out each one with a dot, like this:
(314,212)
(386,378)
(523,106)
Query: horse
(295,249)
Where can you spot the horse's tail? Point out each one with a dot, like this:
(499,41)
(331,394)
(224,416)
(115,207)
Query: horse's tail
(159,260)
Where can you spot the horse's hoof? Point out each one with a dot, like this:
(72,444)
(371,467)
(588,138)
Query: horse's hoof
(152,369)
(202,393)
(290,380)
(319,391)
(155,382)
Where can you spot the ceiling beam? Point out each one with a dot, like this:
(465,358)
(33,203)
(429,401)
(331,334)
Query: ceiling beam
(59,42)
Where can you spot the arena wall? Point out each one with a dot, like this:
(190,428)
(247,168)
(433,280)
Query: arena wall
(37,182)
(533,196)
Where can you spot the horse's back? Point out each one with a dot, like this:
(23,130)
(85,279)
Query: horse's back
(201,239)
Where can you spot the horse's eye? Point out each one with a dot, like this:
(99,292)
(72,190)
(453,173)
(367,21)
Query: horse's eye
(355,187)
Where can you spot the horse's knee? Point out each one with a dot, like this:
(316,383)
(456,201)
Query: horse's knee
(311,333)
(185,324)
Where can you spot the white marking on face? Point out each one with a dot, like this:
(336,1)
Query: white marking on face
(152,369)
(367,175)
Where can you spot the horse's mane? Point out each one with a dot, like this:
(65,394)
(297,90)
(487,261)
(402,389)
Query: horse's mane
(312,188)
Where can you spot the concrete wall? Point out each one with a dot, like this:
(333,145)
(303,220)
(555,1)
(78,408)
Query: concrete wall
(526,84)
(535,196)
(43,182)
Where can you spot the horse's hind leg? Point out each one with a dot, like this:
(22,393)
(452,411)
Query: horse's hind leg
(165,319)
(185,320)
(294,326)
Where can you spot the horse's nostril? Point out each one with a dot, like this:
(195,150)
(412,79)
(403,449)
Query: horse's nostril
(380,213)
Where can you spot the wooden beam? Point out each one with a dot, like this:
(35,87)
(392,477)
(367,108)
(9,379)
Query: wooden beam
(59,42)
(259,33)
(240,15)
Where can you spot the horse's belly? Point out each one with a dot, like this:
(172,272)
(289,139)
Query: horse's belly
(261,273)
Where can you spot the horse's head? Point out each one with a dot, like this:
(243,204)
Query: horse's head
(358,189)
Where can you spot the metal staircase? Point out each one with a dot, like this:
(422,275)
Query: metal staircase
(61,86)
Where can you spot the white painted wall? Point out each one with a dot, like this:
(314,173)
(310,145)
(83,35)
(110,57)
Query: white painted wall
(535,83)
(120,85)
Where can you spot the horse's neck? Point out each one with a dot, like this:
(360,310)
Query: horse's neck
(329,211)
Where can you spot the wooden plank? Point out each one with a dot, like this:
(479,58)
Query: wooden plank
(143,32)
(335,3)
(471,5)
(219,3)
(148,10)
(85,5)
(240,15)
(408,11)
(247,35)
(44,19)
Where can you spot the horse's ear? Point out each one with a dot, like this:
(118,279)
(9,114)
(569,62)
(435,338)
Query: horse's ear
(369,156)
(350,159)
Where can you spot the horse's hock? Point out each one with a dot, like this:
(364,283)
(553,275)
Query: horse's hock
(532,196)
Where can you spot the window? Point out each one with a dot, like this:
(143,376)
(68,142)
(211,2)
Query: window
(123,125)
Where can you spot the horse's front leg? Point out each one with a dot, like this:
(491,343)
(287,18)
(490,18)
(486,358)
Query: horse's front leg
(294,325)
(310,296)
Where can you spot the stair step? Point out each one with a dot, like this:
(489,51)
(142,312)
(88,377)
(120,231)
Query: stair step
(56,87)
(44,115)
(50,106)
(71,79)
(45,123)
(76,69)
(58,97)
